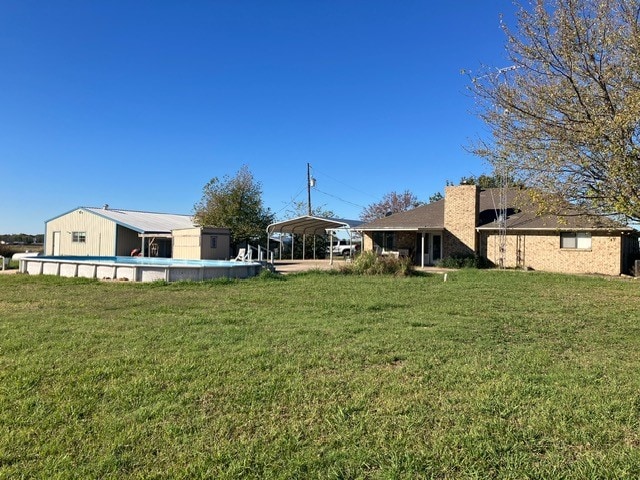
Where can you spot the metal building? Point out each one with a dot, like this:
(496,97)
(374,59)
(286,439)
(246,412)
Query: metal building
(89,231)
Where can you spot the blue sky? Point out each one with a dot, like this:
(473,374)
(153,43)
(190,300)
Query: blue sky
(138,104)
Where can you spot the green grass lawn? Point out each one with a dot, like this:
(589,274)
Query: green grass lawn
(488,375)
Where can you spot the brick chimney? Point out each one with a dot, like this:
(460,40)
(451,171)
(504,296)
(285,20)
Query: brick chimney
(461,216)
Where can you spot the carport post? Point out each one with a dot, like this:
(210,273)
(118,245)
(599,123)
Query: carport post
(330,247)
(304,244)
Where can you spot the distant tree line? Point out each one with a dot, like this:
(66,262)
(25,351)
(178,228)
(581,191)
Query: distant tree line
(21,238)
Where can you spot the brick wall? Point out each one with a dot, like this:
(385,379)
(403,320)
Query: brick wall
(367,241)
(461,206)
(541,251)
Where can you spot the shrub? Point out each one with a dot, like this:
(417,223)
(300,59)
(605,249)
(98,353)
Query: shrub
(464,261)
(369,263)
(6,251)
(266,274)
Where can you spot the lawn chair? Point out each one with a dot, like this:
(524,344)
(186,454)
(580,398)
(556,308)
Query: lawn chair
(242,255)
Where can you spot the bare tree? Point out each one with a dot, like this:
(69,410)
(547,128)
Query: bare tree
(300,209)
(565,112)
(392,202)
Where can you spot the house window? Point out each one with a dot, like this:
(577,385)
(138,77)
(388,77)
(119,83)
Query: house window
(385,240)
(214,242)
(575,240)
(79,237)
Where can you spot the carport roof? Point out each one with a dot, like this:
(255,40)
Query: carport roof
(311,225)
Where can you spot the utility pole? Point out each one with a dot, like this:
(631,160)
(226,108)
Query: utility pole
(311,182)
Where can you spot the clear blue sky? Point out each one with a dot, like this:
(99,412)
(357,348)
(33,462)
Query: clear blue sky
(138,104)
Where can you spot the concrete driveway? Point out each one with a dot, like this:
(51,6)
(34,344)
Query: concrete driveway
(293,266)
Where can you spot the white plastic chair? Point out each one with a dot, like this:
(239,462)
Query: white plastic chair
(242,255)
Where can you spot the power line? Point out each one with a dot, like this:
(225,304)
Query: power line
(338,198)
(346,185)
(292,200)
(313,184)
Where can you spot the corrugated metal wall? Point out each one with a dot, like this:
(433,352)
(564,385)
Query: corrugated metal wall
(127,241)
(100,234)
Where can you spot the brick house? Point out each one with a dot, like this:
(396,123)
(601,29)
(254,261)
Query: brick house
(465,222)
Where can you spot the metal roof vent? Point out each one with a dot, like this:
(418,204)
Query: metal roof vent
(105,206)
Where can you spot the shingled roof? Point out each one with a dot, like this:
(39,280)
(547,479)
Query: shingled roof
(430,216)
(522,214)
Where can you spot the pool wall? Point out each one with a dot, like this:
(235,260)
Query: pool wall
(137,269)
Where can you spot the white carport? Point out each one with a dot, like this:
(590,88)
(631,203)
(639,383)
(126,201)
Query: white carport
(310,225)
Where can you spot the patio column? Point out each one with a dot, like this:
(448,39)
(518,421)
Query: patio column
(422,252)
(330,247)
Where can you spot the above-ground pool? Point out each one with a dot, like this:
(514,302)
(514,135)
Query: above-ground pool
(138,269)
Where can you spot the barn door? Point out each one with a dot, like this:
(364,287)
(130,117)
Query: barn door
(55,250)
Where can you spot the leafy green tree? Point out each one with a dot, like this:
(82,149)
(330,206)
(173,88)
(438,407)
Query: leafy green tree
(489,181)
(392,202)
(483,181)
(435,197)
(565,112)
(235,203)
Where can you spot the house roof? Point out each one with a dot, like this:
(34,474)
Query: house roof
(144,222)
(522,214)
(424,217)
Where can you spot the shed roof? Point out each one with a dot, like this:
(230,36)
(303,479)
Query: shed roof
(144,222)
(310,225)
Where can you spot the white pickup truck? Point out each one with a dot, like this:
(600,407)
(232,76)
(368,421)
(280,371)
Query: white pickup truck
(344,248)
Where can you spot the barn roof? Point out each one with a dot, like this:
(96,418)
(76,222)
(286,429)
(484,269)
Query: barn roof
(144,222)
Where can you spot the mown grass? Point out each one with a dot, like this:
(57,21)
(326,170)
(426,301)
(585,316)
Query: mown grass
(488,375)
